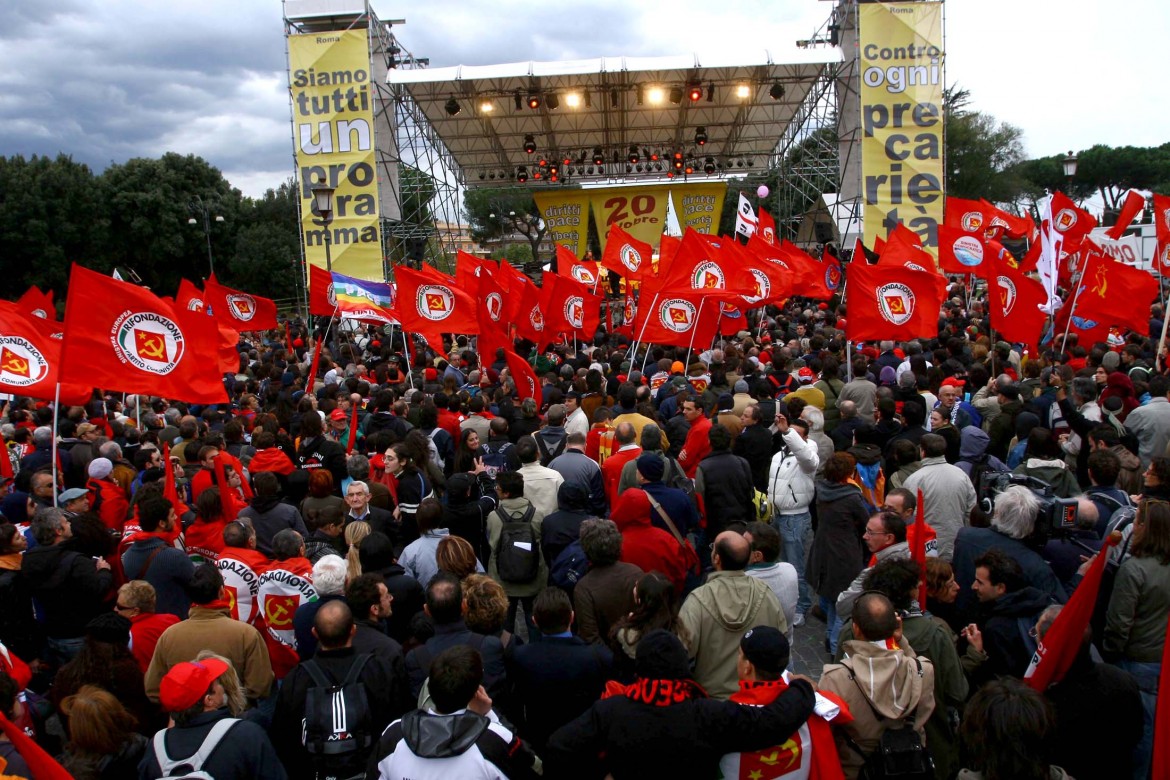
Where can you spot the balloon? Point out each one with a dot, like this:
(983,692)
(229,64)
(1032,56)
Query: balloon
(762,191)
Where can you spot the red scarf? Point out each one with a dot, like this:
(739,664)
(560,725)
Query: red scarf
(825,763)
(659,693)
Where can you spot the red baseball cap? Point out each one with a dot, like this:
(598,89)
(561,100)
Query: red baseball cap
(186,683)
(337,414)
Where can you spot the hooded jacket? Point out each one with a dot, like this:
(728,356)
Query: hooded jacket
(67,586)
(790,477)
(1005,639)
(427,746)
(973,446)
(948,496)
(1118,385)
(647,547)
(716,616)
(1052,472)
(879,685)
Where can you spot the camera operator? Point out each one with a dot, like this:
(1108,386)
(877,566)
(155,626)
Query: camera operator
(1012,523)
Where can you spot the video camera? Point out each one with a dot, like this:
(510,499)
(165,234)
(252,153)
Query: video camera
(1055,517)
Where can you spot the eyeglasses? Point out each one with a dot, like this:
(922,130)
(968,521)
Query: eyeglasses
(122,608)
(876,533)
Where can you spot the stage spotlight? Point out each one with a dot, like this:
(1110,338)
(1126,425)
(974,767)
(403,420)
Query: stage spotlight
(701,136)
(538,175)
(629,168)
(598,158)
(566,160)
(452,107)
(588,100)
(678,161)
(530,144)
(641,94)
(590,171)
(690,168)
(655,95)
(534,101)
(522,175)
(552,101)
(695,92)
(633,154)
(653,156)
(743,91)
(483,175)
(675,95)
(709,166)
(573,100)
(639,168)
(487,107)
(777,91)
(518,100)
(710,93)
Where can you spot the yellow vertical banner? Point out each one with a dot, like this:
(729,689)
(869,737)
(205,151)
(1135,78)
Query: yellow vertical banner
(901,46)
(333,128)
(640,211)
(699,206)
(566,218)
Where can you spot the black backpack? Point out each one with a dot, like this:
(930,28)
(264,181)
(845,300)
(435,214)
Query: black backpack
(569,567)
(518,554)
(339,729)
(495,458)
(900,752)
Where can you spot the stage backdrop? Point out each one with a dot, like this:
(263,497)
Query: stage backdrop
(902,117)
(333,118)
(641,211)
(566,213)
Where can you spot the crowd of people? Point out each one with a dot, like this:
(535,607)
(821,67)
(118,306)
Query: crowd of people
(401,568)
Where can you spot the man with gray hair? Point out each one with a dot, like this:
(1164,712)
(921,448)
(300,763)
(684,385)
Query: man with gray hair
(42,454)
(69,587)
(947,493)
(627,451)
(329,575)
(579,469)
(1012,524)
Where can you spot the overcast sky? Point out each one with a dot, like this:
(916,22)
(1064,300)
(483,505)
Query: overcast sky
(108,80)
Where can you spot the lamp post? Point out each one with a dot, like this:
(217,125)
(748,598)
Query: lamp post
(200,208)
(323,205)
(1070,168)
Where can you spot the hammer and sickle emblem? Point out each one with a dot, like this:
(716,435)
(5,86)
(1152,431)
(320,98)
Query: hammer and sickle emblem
(151,346)
(14,364)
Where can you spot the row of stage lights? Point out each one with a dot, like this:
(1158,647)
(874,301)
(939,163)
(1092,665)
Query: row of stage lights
(653,95)
(650,162)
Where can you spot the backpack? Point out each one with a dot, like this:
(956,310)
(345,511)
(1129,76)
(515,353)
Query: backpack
(677,478)
(569,567)
(494,459)
(900,752)
(518,555)
(191,768)
(338,727)
(547,455)
(436,458)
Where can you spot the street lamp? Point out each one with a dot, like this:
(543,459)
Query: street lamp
(1070,167)
(197,206)
(323,205)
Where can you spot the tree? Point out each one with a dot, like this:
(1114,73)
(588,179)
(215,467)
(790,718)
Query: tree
(982,154)
(52,214)
(266,255)
(498,213)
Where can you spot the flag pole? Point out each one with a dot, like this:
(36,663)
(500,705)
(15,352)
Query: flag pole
(1160,361)
(698,319)
(56,408)
(637,341)
(849,359)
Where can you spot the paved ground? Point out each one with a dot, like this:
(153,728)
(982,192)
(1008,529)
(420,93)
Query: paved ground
(808,651)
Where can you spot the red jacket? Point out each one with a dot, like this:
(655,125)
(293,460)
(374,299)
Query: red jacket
(644,545)
(696,447)
(272,459)
(145,629)
(611,470)
(108,501)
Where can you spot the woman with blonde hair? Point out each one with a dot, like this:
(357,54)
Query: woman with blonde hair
(103,742)
(487,608)
(355,531)
(455,555)
(237,701)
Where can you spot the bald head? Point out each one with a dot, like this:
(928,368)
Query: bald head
(625,434)
(733,551)
(333,626)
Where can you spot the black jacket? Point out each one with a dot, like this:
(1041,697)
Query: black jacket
(244,753)
(418,660)
(754,444)
(728,491)
(19,632)
(554,681)
(320,452)
(683,739)
(1087,690)
(408,600)
(169,573)
(1005,630)
(385,694)
(270,516)
(67,586)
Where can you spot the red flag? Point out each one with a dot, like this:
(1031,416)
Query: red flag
(38,304)
(1014,305)
(962,252)
(627,255)
(238,310)
(122,337)
(322,301)
(188,297)
(1134,203)
(527,383)
(572,308)
(313,367)
(427,305)
(1059,647)
(1070,220)
(1162,230)
(40,763)
(30,358)
(892,302)
(531,317)
(999,221)
(1161,761)
(677,318)
(170,489)
(969,216)
(352,440)
(667,248)
(915,258)
(773,278)
(918,548)
(699,265)
(587,273)
(819,279)
(1116,293)
(467,269)
(767,229)
(491,306)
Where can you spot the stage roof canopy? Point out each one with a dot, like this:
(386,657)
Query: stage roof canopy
(615,109)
